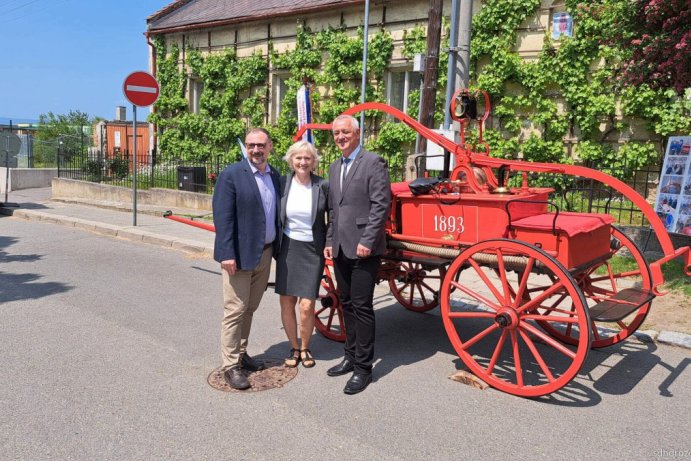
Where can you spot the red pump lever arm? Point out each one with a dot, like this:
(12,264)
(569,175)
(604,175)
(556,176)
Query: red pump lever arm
(465,156)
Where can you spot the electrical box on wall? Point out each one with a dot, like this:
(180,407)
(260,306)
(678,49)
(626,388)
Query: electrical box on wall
(419,62)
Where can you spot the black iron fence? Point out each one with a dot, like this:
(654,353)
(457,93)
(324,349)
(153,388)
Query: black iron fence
(585,195)
(119,171)
(571,193)
(171,174)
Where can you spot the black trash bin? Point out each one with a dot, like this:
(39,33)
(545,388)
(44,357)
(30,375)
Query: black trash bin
(192,178)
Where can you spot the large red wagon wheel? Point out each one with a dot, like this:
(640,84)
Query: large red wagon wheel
(628,269)
(416,288)
(328,312)
(492,323)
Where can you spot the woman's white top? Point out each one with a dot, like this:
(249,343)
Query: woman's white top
(299,212)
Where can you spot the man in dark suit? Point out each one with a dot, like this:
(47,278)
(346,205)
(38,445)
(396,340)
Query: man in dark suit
(247,221)
(359,202)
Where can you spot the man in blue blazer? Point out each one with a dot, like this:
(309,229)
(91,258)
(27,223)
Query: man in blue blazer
(247,221)
(359,202)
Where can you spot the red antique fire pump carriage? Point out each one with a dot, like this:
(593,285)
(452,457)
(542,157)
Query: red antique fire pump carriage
(525,290)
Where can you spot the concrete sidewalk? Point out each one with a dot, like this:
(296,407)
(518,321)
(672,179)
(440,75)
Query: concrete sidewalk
(114,219)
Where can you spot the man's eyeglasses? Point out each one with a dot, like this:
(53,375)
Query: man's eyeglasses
(259,145)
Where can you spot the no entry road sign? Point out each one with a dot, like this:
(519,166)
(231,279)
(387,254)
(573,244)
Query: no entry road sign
(141,88)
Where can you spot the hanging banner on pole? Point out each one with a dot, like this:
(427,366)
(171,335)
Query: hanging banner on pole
(304,111)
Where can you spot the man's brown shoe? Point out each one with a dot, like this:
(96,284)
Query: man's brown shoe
(236,379)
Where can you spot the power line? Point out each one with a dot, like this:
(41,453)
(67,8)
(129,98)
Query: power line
(30,13)
(21,6)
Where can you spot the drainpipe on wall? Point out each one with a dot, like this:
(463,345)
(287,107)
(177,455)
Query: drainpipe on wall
(154,142)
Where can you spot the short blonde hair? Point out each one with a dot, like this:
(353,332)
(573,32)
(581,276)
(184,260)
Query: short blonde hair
(300,147)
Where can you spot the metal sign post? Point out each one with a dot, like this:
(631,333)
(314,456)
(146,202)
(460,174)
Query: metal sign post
(11,145)
(134,165)
(141,89)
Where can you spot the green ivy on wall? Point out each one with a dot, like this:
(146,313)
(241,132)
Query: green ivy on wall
(567,96)
(581,72)
(232,97)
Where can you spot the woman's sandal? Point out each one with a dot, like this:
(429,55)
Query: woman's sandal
(293,359)
(307,359)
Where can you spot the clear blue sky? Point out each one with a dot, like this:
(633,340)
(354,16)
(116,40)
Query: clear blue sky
(62,55)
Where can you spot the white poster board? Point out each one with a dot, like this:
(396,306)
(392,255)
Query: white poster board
(673,203)
(435,153)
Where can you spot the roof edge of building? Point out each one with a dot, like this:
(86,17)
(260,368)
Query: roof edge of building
(250,18)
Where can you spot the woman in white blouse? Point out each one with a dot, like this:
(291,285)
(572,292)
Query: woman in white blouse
(300,264)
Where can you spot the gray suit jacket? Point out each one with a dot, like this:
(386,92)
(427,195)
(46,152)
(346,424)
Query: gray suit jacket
(320,200)
(358,213)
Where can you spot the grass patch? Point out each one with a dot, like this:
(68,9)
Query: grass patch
(675,277)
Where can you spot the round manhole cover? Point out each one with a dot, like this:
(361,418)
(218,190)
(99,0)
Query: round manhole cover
(274,375)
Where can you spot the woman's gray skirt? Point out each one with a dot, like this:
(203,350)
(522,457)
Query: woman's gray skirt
(299,269)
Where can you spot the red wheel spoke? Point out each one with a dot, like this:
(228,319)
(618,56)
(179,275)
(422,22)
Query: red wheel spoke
(477,296)
(502,276)
(556,310)
(471,315)
(524,283)
(552,308)
(422,293)
(593,328)
(517,359)
(497,351)
(320,311)
(480,335)
(424,284)
(549,340)
(546,294)
(538,358)
(569,328)
(402,287)
(593,290)
(331,318)
(487,281)
(550,318)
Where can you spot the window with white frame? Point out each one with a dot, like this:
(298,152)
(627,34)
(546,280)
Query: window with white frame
(279,89)
(195,88)
(399,84)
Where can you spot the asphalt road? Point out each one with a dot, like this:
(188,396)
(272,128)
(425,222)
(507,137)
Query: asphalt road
(107,345)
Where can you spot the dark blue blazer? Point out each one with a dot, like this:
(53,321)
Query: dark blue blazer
(239,216)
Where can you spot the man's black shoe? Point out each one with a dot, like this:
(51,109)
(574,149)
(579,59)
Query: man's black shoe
(236,379)
(357,383)
(249,364)
(345,367)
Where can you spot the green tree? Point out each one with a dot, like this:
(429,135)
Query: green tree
(68,133)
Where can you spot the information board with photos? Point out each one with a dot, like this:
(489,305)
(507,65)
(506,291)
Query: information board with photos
(673,203)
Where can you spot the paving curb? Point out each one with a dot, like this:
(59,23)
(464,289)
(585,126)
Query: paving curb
(190,246)
(111,230)
(149,210)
